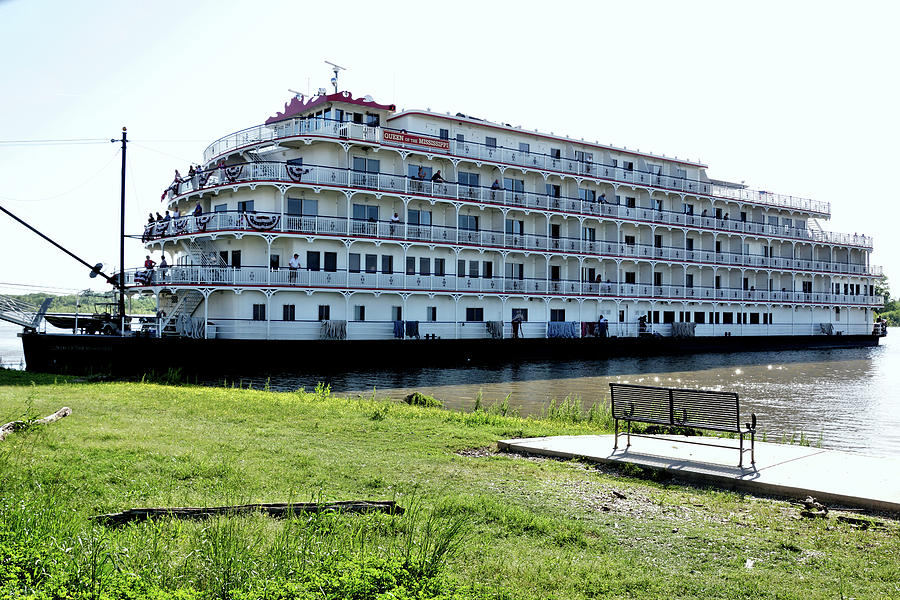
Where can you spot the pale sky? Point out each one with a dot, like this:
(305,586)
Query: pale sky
(798,98)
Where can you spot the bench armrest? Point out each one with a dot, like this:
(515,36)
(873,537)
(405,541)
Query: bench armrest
(751,426)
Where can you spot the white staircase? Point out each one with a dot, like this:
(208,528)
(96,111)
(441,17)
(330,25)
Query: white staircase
(179,312)
(204,253)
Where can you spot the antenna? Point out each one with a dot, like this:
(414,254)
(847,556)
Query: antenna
(336,69)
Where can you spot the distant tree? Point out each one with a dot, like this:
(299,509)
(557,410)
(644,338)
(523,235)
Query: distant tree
(883,289)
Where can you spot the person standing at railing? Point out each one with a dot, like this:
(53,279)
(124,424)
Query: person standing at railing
(293,267)
(163,268)
(437,178)
(395,221)
(198,210)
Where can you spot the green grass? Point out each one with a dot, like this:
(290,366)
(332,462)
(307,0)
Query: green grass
(481,524)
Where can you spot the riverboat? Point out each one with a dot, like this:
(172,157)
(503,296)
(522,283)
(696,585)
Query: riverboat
(342,226)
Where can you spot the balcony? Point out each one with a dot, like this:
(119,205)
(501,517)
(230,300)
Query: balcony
(251,276)
(386,230)
(327,176)
(261,134)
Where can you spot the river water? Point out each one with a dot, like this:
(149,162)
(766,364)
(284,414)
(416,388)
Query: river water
(846,399)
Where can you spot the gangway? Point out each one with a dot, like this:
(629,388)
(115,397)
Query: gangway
(22,313)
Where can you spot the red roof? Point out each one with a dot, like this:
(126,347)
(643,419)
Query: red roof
(297,105)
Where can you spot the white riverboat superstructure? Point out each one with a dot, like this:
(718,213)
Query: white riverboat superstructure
(452,227)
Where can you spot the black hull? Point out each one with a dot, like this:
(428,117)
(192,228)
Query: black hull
(135,356)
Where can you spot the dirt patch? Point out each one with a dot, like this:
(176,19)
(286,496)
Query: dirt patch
(478,452)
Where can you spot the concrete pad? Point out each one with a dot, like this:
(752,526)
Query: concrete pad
(830,476)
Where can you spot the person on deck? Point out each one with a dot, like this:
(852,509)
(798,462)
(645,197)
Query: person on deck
(293,266)
(437,178)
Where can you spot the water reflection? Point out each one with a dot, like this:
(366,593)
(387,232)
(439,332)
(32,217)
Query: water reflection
(846,399)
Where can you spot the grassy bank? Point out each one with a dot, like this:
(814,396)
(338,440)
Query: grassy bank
(482,524)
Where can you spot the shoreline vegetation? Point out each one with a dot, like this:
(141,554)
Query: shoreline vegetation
(475,524)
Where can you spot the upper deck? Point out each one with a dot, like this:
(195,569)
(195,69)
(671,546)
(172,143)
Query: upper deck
(342,118)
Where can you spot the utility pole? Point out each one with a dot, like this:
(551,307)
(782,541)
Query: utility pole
(122,240)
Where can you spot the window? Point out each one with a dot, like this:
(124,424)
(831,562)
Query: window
(629,240)
(444,134)
(718,282)
(413,171)
(396,313)
(366,165)
(487,269)
(688,209)
(557,315)
(515,227)
(555,273)
(514,185)
(630,202)
(274,261)
(236,259)
(245,206)
(440,268)
(473,268)
(689,280)
(555,153)
(772,220)
(746,283)
(330,262)
(515,270)
(424,266)
(467,179)
(727,318)
(324,312)
(372,120)
(657,241)
(431,313)
(587,195)
(689,244)
(628,165)
(522,313)
(460,268)
(490,142)
(288,312)
(699,317)
(584,156)
(312,260)
(419,217)
(353,263)
(743,217)
(680,173)
(371,263)
(807,287)
(259,312)
(387,264)
(718,246)
(474,314)
(359,313)
(365,212)
(524,148)
(302,206)
(657,279)
(410,265)
(589,234)
(460,138)
(553,190)
(468,222)
(754,318)
(630,277)
(220,208)
(658,204)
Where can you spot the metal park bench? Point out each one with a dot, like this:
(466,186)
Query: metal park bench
(715,411)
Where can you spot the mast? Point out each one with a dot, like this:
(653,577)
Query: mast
(122,241)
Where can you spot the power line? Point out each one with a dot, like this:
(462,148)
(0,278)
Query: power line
(61,142)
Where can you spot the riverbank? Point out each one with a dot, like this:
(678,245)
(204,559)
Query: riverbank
(513,527)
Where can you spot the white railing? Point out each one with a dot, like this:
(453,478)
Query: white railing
(340,226)
(304,278)
(314,175)
(299,127)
